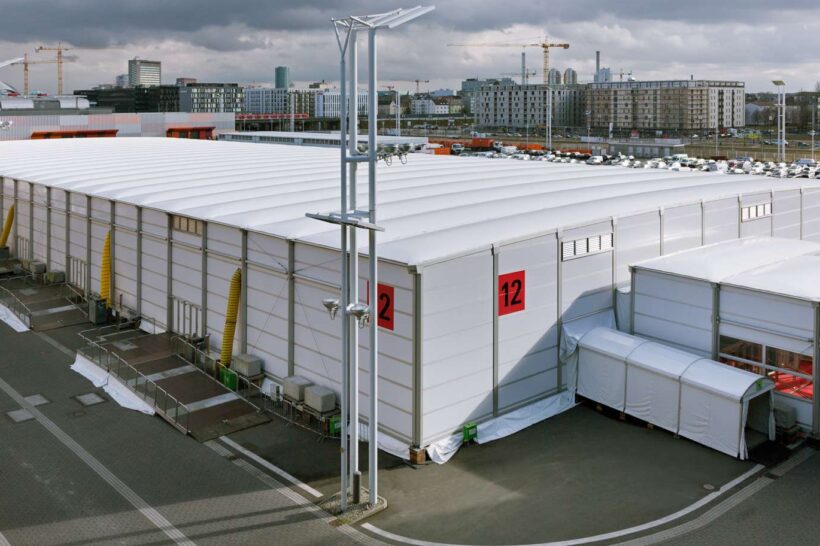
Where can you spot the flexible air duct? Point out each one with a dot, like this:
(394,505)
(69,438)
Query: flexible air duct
(230,317)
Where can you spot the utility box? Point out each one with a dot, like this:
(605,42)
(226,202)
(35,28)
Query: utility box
(294,387)
(37,267)
(97,311)
(320,398)
(55,277)
(247,365)
(469,432)
(4,253)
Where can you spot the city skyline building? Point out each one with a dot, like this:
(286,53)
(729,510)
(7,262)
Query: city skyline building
(142,72)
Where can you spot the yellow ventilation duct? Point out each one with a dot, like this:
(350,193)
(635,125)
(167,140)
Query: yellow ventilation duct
(105,273)
(4,238)
(230,317)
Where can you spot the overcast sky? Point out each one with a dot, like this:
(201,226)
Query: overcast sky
(242,40)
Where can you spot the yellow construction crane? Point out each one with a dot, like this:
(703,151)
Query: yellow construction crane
(59,49)
(25,62)
(417,82)
(545,45)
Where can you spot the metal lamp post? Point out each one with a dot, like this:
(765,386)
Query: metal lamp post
(781,119)
(350,218)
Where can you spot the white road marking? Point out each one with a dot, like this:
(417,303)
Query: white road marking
(211,402)
(298,499)
(606,536)
(273,468)
(126,492)
(4,541)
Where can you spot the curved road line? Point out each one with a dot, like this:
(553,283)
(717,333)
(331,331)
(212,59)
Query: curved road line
(596,538)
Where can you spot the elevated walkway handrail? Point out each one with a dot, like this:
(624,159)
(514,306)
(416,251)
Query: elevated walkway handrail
(177,413)
(210,366)
(20,309)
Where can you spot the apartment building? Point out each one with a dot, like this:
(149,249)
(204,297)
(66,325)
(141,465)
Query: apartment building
(681,105)
(527,105)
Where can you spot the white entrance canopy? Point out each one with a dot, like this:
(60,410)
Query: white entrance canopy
(711,403)
(715,402)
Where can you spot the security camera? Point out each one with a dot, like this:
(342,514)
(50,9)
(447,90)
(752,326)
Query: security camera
(332,306)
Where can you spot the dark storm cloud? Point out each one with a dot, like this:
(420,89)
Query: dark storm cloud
(214,23)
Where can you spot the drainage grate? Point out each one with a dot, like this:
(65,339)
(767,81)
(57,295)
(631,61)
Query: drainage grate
(20,415)
(89,399)
(37,400)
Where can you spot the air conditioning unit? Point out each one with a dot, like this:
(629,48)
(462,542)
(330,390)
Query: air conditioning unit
(294,387)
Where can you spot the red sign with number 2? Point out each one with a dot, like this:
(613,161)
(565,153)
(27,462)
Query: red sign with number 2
(511,293)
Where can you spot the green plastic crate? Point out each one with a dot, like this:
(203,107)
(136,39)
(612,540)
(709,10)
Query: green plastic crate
(470,432)
(335,425)
(228,378)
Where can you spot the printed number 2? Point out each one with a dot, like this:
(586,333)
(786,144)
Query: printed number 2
(386,305)
(511,292)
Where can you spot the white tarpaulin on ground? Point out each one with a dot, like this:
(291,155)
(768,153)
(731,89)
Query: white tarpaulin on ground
(499,427)
(118,392)
(12,320)
(715,403)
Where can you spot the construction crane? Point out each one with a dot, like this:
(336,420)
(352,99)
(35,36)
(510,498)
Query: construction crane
(59,49)
(417,82)
(545,45)
(526,75)
(25,62)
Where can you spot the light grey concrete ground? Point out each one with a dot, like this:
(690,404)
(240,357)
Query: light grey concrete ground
(51,495)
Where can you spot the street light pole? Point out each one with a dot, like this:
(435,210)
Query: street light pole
(781,119)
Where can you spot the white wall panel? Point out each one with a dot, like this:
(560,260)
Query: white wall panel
(58,226)
(40,242)
(759,227)
(77,237)
(268,251)
(322,264)
(786,211)
(186,282)
(674,310)
(811,214)
(767,312)
(125,268)
(125,215)
(681,228)
(155,222)
(225,240)
(457,343)
(637,238)
(154,279)
(268,319)
(101,209)
(527,339)
(721,218)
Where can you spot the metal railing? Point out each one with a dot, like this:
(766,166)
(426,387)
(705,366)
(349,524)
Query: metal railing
(187,318)
(77,273)
(22,247)
(20,309)
(207,363)
(169,407)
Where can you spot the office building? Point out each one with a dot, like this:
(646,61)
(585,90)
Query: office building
(282,76)
(121,100)
(144,73)
(211,98)
(328,104)
(182,82)
(554,76)
(121,80)
(570,76)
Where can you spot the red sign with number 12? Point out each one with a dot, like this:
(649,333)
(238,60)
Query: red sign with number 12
(511,292)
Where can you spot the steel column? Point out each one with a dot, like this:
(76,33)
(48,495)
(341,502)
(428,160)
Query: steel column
(373,428)
(204,283)
(243,296)
(352,142)
(291,306)
(139,261)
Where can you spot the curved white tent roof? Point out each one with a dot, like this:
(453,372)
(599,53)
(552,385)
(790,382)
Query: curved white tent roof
(432,208)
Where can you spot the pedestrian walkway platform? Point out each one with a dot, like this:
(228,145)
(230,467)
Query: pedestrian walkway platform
(41,306)
(185,393)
